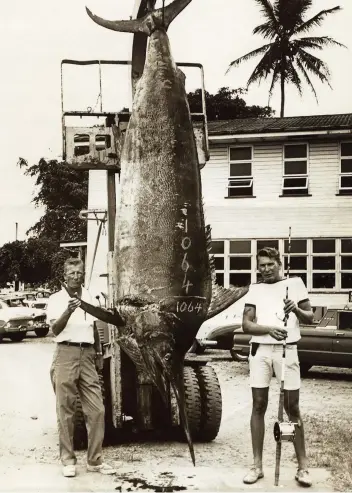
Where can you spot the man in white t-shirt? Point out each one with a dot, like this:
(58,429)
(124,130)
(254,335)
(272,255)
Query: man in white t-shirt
(74,369)
(263,318)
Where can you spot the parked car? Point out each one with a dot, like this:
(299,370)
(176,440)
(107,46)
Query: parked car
(218,332)
(43,293)
(14,322)
(40,304)
(327,343)
(36,316)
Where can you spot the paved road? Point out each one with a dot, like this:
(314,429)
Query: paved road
(29,445)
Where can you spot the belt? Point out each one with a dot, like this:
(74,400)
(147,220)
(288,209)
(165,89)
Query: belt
(264,344)
(77,344)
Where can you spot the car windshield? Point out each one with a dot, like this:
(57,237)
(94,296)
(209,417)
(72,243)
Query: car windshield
(16,302)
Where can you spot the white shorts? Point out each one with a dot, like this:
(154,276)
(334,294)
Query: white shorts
(269,357)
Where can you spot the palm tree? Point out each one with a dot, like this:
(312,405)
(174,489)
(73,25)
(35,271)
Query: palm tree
(286,57)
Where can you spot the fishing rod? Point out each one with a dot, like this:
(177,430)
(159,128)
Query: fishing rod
(283,431)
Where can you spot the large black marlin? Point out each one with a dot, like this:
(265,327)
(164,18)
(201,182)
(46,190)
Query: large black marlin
(163,275)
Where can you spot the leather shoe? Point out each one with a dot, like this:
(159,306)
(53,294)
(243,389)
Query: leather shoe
(303,478)
(253,475)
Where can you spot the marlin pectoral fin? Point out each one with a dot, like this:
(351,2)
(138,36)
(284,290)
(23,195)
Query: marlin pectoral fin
(222,298)
(127,26)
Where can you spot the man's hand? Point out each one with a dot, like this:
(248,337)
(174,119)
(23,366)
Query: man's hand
(290,306)
(73,304)
(278,333)
(99,362)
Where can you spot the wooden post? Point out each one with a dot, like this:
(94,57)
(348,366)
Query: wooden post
(111,189)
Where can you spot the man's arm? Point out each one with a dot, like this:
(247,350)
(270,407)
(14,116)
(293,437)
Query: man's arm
(252,328)
(303,310)
(58,325)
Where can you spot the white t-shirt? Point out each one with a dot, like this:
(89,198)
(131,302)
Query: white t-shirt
(268,300)
(79,327)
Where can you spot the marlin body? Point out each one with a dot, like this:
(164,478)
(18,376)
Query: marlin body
(163,274)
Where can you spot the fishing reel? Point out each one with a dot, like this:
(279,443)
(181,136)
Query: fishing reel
(285,431)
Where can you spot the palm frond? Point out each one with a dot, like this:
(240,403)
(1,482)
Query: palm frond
(290,13)
(275,78)
(262,70)
(306,76)
(314,65)
(317,42)
(267,30)
(248,56)
(268,10)
(315,21)
(293,77)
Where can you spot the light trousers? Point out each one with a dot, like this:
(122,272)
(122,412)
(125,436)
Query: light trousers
(73,370)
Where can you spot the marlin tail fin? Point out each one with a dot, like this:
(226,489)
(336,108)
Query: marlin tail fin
(160,18)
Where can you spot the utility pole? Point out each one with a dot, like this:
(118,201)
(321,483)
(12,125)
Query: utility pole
(16,231)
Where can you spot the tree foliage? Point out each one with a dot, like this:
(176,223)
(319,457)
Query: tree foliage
(226,104)
(287,56)
(64,193)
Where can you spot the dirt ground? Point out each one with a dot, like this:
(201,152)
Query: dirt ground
(29,458)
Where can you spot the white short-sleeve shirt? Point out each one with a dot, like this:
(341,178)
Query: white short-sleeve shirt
(79,327)
(268,300)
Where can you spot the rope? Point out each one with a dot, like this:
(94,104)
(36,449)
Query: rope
(94,254)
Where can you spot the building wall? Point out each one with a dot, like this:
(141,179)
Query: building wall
(268,215)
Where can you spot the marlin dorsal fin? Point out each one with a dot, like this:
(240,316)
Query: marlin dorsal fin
(221,298)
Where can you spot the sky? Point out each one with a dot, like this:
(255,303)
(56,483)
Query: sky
(36,35)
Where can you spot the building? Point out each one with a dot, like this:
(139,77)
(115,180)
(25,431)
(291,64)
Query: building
(264,176)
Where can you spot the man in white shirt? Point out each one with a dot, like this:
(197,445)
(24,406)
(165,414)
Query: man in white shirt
(263,318)
(74,369)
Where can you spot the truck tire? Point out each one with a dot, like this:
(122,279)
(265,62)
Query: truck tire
(42,331)
(192,401)
(211,403)
(80,437)
(17,336)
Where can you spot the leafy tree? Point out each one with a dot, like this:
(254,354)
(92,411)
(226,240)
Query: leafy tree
(285,58)
(63,192)
(226,104)
(11,258)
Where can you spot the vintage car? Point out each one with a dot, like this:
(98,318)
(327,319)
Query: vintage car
(36,317)
(327,343)
(217,332)
(14,322)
